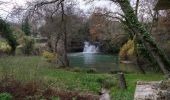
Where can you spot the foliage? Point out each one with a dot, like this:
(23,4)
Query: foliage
(55,98)
(91,70)
(6,32)
(155,53)
(39,48)
(5,96)
(18,34)
(49,56)
(26,27)
(5,47)
(108,82)
(35,68)
(28,46)
(127,51)
(77,69)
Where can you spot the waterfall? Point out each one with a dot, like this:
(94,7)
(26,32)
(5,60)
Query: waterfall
(90,48)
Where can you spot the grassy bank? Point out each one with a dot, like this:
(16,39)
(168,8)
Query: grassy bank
(36,68)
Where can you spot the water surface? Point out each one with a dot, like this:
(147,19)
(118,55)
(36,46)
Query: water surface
(101,62)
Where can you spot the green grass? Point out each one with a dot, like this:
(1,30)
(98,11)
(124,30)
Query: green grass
(36,68)
(132,79)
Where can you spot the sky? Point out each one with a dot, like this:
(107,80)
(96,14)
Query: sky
(85,7)
(5,8)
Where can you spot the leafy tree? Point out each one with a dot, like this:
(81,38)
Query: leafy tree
(6,32)
(26,27)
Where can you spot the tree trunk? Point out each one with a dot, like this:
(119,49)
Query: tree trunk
(144,36)
(136,42)
(64,30)
(122,81)
(137,55)
(137,6)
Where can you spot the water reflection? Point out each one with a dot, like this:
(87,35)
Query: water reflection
(102,62)
(89,59)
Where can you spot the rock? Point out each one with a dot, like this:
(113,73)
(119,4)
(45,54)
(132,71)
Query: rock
(151,91)
(104,95)
(126,62)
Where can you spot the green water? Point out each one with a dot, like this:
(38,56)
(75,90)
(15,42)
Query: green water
(101,62)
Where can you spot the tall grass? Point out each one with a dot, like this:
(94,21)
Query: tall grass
(36,68)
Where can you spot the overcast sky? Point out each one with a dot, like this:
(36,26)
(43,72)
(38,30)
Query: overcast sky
(82,5)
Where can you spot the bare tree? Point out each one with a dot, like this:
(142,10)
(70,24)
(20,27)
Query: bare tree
(37,10)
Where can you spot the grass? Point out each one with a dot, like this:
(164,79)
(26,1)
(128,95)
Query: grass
(36,68)
(131,79)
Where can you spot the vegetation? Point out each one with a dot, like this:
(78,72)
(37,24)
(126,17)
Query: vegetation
(131,83)
(26,27)
(5,96)
(49,56)
(37,69)
(127,51)
(5,47)
(28,45)
(52,29)
(6,32)
(144,38)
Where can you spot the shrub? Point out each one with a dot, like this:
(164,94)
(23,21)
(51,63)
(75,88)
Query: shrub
(18,50)
(5,47)
(39,48)
(49,56)
(114,71)
(18,34)
(127,51)
(28,46)
(5,96)
(91,70)
(107,83)
(26,27)
(55,98)
(7,34)
(76,69)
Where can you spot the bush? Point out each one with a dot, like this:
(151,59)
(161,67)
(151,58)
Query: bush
(91,70)
(5,96)
(39,48)
(18,50)
(49,56)
(5,47)
(6,32)
(107,83)
(28,46)
(127,51)
(55,98)
(76,69)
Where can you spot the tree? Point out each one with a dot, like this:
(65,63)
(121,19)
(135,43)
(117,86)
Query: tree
(26,27)
(52,8)
(138,30)
(137,6)
(6,32)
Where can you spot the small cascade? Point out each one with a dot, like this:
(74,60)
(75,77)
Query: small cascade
(90,48)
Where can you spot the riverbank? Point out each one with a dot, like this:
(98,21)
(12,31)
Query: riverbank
(36,69)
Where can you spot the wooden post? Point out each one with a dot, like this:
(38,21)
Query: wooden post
(122,81)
